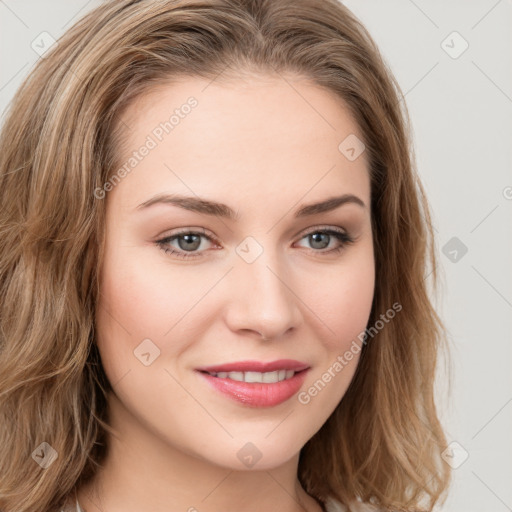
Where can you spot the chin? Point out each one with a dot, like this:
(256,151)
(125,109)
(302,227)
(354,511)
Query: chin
(261,452)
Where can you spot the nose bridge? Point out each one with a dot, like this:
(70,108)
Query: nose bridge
(266,303)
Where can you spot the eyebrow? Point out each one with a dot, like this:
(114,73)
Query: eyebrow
(207,207)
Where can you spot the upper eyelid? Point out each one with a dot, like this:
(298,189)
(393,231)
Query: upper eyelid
(186,231)
(209,234)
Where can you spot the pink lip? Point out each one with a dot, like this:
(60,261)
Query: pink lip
(257,394)
(256,366)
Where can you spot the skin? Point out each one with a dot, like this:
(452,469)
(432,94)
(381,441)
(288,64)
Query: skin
(264,146)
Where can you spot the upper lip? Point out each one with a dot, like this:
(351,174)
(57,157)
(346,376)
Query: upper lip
(256,366)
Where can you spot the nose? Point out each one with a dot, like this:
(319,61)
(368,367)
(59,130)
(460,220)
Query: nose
(262,299)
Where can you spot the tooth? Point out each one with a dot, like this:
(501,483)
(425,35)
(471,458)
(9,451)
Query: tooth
(253,377)
(239,376)
(266,377)
(270,376)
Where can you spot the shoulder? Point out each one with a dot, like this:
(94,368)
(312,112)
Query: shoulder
(332,505)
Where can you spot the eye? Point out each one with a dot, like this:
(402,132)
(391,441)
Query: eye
(320,238)
(189,241)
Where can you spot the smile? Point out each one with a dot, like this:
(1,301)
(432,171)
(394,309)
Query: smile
(267,377)
(255,383)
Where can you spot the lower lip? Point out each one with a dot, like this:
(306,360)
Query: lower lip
(258,394)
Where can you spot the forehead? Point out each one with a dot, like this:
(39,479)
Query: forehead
(262,134)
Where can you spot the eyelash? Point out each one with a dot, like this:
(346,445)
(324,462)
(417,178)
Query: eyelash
(343,238)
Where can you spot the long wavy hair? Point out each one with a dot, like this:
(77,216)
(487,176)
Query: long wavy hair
(60,142)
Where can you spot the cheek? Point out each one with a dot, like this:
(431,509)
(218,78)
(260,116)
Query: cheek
(129,295)
(343,299)
(142,299)
(129,309)
(343,310)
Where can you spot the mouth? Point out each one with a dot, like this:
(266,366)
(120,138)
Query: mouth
(256,383)
(266,377)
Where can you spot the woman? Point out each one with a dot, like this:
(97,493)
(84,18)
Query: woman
(213,269)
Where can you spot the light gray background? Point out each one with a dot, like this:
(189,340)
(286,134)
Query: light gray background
(461,111)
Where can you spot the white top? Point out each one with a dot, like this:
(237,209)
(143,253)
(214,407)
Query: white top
(331,506)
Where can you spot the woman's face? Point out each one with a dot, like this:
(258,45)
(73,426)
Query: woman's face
(264,288)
